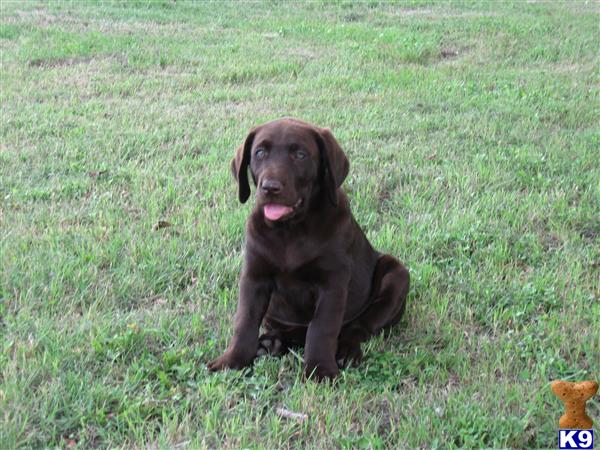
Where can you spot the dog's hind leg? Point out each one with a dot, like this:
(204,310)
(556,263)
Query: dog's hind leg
(277,340)
(389,290)
(270,343)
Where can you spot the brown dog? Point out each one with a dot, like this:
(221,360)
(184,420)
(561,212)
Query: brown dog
(310,275)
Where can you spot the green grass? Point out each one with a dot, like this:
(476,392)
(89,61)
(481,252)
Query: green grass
(472,131)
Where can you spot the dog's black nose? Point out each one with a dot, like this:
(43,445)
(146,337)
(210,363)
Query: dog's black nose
(271,186)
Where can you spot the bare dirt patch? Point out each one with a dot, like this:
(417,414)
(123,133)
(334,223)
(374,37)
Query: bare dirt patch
(58,62)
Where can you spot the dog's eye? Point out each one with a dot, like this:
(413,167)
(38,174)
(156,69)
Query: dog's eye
(259,153)
(300,154)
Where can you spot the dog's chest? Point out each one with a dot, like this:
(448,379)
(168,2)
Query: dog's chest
(291,254)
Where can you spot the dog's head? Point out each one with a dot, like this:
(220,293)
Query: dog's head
(292,164)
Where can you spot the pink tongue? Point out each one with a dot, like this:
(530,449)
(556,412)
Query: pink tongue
(276,212)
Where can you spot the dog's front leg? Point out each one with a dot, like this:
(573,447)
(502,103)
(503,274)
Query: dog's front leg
(255,292)
(324,329)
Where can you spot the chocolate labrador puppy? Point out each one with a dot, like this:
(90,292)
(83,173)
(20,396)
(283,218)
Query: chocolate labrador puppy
(310,275)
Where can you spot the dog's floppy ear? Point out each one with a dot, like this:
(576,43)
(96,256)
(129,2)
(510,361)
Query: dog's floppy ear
(239,166)
(334,162)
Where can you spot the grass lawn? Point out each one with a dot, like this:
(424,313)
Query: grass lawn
(473,135)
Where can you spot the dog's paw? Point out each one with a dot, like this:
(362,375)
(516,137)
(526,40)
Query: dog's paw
(348,353)
(227,361)
(269,344)
(321,372)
